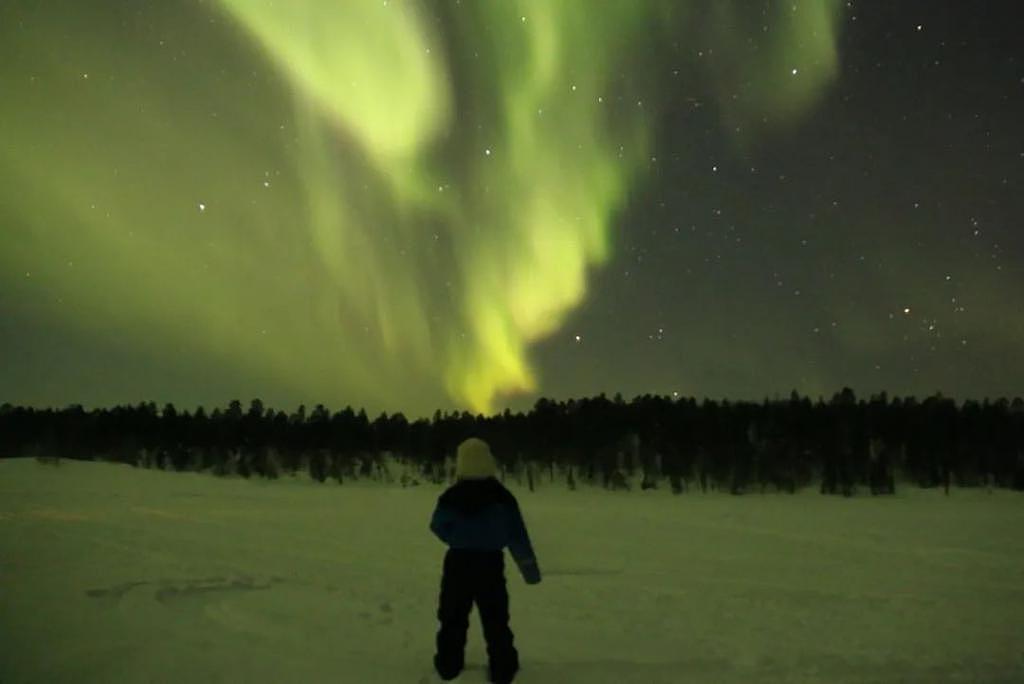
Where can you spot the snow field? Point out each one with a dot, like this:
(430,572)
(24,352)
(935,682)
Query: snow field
(115,574)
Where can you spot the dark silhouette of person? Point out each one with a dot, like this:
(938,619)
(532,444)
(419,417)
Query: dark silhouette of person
(477,518)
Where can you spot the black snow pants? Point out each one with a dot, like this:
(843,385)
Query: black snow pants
(474,576)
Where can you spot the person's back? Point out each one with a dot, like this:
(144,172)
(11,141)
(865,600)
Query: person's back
(477,518)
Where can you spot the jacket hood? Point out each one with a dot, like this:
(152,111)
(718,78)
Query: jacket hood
(473,460)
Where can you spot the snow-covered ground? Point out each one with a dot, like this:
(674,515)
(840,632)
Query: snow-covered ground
(112,574)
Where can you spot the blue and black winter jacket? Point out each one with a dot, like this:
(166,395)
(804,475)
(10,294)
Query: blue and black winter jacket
(482,514)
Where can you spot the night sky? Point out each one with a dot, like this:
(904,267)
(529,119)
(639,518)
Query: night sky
(420,205)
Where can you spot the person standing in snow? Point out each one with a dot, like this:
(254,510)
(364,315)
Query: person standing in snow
(477,518)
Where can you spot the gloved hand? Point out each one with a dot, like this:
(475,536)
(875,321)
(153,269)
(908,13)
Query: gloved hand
(529,569)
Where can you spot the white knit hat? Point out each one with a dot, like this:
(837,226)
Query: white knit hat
(473,460)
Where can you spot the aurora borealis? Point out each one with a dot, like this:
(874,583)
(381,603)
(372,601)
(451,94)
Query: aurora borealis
(419,205)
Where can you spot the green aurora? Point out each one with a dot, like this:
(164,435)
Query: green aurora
(380,203)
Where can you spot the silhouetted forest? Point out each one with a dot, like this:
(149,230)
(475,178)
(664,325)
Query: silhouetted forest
(841,446)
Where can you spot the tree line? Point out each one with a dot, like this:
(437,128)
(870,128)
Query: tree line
(841,446)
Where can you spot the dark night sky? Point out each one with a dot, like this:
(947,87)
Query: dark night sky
(409,206)
(793,265)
